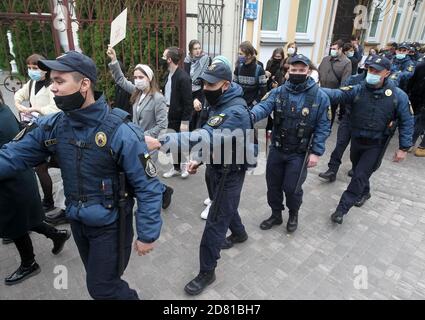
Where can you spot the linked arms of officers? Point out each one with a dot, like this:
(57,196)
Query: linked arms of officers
(25,152)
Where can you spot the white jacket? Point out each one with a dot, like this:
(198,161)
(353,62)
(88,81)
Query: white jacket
(43,99)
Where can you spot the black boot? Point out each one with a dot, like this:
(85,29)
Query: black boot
(59,237)
(166,197)
(362,200)
(292,224)
(202,280)
(22,273)
(329,175)
(337,217)
(274,220)
(57,218)
(234,238)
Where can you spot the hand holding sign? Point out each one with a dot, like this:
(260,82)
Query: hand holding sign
(118,28)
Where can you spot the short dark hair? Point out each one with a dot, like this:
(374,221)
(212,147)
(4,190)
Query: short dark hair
(192,44)
(247,48)
(347,46)
(79,76)
(174,54)
(339,43)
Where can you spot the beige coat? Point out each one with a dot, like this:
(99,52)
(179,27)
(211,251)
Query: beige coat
(43,99)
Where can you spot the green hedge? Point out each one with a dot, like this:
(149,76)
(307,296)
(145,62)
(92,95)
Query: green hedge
(148,20)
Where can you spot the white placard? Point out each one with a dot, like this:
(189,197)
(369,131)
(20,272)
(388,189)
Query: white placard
(118,28)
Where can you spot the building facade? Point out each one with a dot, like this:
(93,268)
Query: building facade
(312,24)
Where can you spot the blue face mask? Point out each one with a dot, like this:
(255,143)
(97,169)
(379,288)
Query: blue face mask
(350,54)
(242,59)
(35,74)
(400,56)
(373,79)
(334,53)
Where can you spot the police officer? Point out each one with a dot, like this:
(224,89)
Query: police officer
(93,144)
(228,112)
(403,67)
(344,132)
(301,111)
(377,105)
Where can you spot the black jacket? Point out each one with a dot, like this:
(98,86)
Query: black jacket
(416,88)
(181,103)
(20,203)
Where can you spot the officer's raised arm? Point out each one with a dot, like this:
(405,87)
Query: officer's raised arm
(343,95)
(27,150)
(133,156)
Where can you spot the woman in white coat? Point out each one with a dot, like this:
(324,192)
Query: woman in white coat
(41,103)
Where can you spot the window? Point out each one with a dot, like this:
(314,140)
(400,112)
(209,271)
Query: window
(396,26)
(412,26)
(375,22)
(270,16)
(396,23)
(303,15)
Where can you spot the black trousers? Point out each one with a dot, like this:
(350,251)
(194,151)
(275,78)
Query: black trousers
(342,140)
(364,158)
(24,243)
(179,157)
(227,217)
(98,248)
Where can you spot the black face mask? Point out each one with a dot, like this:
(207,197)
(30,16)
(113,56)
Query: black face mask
(277,61)
(297,78)
(163,64)
(213,96)
(70,102)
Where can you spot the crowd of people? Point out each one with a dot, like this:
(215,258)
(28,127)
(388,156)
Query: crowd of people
(69,125)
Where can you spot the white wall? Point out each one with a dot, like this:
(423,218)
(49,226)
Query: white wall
(191,23)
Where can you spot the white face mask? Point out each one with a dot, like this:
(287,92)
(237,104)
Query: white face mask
(334,53)
(291,51)
(141,84)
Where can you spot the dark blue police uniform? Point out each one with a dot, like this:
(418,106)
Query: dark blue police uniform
(227,171)
(300,111)
(402,69)
(92,146)
(374,111)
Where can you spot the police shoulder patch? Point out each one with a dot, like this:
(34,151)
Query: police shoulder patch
(347,88)
(148,165)
(410,68)
(217,120)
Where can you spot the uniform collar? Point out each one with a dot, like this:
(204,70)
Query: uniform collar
(90,116)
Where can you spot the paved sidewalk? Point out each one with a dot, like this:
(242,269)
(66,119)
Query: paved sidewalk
(320,261)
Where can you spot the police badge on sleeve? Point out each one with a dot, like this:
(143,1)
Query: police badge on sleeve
(148,165)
